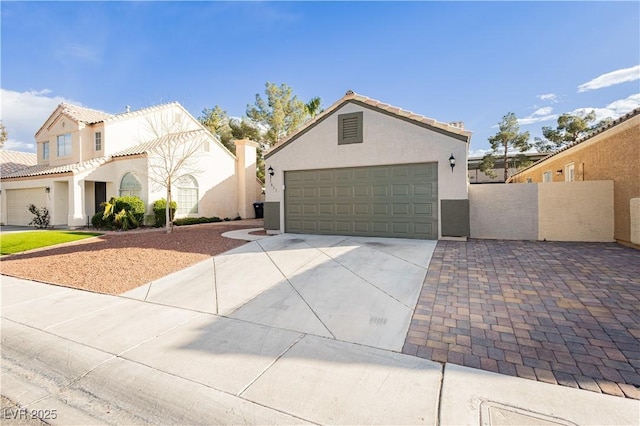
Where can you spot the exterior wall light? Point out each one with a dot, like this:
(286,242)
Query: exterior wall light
(47,189)
(270,170)
(559,172)
(452,162)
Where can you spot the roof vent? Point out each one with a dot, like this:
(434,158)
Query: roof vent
(349,92)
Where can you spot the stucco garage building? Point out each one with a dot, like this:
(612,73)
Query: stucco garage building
(366,168)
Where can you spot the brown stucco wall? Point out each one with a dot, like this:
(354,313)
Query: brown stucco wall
(611,155)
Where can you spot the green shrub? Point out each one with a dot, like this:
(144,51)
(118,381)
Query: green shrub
(159,211)
(121,213)
(99,222)
(133,204)
(195,220)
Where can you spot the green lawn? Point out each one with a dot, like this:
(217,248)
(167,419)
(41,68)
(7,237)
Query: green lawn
(22,241)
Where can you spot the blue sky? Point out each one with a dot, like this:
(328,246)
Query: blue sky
(451,61)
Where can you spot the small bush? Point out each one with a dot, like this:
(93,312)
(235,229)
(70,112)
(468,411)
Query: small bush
(121,213)
(41,216)
(159,211)
(133,204)
(99,222)
(237,218)
(195,220)
(226,219)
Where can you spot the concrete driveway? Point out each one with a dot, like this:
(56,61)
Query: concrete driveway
(353,289)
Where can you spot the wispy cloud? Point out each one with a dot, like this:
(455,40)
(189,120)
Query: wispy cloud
(541,114)
(615,109)
(23,113)
(79,52)
(611,78)
(548,97)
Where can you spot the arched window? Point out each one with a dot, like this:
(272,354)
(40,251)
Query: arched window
(130,185)
(187,195)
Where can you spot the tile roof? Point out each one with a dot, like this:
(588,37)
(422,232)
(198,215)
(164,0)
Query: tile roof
(45,169)
(84,115)
(350,96)
(125,115)
(12,161)
(584,138)
(148,146)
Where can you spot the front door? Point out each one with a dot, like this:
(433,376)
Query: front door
(100,195)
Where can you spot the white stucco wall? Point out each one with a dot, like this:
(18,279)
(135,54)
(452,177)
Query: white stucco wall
(145,125)
(387,140)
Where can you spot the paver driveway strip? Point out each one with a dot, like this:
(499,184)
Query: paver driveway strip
(563,313)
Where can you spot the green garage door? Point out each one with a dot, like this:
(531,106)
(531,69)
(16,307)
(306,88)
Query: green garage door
(383,201)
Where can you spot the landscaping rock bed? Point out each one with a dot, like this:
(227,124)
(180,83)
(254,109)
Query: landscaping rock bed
(119,261)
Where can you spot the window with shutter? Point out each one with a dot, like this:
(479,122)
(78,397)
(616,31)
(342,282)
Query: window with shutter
(350,128)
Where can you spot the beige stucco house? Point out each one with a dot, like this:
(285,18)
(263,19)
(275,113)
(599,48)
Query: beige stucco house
(611,153)
(363,167)
(85,156)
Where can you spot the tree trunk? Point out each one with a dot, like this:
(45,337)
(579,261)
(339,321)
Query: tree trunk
(506,164)
(167,217)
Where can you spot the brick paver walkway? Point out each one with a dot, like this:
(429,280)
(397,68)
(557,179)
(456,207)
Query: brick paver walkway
(562,313)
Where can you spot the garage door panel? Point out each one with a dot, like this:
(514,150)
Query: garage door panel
(325,192)
(362,191)
(361,209)
(294,209)
(425,209)
(400,189)
(17,202)
(326,209)
(344,191)
(343,227)
(389,201)
(361,226)
(424,189)
(380,190)
(344,209)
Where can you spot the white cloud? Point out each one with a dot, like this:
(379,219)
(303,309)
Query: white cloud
(478,153)
(543,111)
(23,113)
(550,97)
(615,109)
(611,78)
(541,114)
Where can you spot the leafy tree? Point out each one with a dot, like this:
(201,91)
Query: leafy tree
(3,135)
(570,127)
(217,122)
(503,143)
(313,108)
(280,113)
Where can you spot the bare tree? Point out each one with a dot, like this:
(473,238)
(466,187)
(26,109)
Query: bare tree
(173,153)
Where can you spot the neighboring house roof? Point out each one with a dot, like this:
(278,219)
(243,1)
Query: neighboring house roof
(13,161)
(452,129)
(84,115)
(44,169)
(173,138)
(583,139)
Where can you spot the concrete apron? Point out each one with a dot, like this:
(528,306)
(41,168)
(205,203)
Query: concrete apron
(353,289)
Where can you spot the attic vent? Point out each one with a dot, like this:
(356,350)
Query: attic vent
(350,128)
